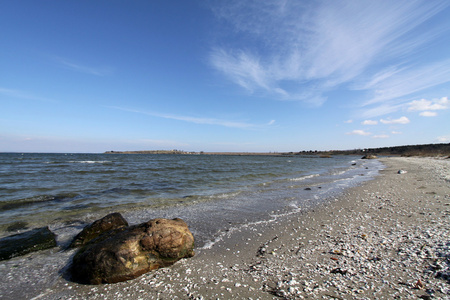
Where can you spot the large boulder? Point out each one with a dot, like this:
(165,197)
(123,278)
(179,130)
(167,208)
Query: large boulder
(369,156)
(110,222)
(127,254)
(24,243)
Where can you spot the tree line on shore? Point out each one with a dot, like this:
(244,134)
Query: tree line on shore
(409,150)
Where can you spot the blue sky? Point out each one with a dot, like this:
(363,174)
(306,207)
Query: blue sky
(93,76)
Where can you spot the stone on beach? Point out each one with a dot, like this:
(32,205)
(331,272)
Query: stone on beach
(138,249)
(110,222)
(369,156)
(24,243)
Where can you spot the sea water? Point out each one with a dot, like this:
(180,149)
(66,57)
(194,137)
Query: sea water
(212,193)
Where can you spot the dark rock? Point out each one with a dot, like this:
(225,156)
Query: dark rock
(339,271)
(138,249)
(110,222)
(19,225)
(307,189)
(369,156)
(23,243)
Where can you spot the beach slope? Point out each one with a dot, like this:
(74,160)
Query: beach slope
(387,238)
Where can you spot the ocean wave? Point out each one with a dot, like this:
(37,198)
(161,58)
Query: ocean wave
(337,172)
(90,161)
(305,177)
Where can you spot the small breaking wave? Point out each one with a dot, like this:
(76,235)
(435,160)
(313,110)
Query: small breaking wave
(305,177)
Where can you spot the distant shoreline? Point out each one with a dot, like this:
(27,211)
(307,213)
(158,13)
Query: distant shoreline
(198,153)
(429,150)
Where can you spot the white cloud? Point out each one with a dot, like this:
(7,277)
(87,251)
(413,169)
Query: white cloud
(402,120)
(348,121)
(428,114)
(380,136)
(396,132)
(299,50)
(271,122)
(359,132)
(423,104)
(443,139)
(369,122)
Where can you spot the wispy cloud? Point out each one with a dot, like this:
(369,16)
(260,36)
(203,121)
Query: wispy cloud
(359,132)
(369,122)
(401,120)
(428,114)
(23,95)
(196,120)
(380,136)
(302,50)
(75,66)
(410,81)
(380,110)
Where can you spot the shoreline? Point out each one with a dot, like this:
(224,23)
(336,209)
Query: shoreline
(385,238)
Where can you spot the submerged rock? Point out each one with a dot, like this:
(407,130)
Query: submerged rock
(23,243)
(19,225)
(110,222)
(138,249)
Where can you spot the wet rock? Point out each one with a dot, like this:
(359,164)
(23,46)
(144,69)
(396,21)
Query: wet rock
(369,156)
(132,252)
(23,243)
(402,172)
(110,222)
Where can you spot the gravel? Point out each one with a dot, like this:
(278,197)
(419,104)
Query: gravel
(386,239)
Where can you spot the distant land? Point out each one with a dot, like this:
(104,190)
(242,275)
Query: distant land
(409,150)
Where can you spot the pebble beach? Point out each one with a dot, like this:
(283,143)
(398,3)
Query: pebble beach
(388,238)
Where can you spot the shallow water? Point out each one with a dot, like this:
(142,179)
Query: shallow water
(211,193)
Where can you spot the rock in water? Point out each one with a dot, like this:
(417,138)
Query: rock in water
(23,243)
(132,252)
(110,222)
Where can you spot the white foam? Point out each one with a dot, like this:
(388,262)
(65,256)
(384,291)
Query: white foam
(305,177)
